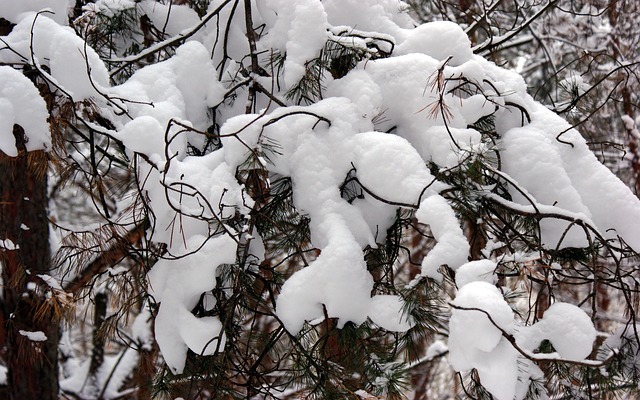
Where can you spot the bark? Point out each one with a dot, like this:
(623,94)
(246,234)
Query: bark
(33,365)
(98,339)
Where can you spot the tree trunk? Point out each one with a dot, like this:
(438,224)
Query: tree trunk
(27,300)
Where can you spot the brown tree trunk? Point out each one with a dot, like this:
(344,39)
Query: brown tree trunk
(25,254)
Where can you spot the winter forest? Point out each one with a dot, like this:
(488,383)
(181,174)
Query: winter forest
(319,199)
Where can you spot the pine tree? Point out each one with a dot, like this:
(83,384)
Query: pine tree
(212,160)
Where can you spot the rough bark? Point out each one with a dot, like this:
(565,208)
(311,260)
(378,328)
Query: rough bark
(33,365)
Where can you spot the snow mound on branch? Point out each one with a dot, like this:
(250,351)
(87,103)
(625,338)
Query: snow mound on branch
(553,165)
(171,19)
(473,271)
(182,87)
(75,68)
(404,179)
(318,156)
(452,248)
(383,16)
(298,31)
(21,104)
(440,40)
(476,338)
(567,327)
(338,278)
(532,158)
(338,142)
(55,9)
(177,285)
(167,99)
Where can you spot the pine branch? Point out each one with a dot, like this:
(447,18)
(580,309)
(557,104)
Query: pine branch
(108,258)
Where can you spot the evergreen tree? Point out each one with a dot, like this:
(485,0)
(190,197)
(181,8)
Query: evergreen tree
(277,199)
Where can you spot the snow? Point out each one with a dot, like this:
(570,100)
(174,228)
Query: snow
(21,104)
(473,271)
(403,179)
(386,312)
(141,329)
(56,9)
(531,156)
(75,68)
(338,278)
(383,16)
(177,285)
(109,7)
(50,281)
(436,349)
(567,327)
(477,342)
(299,30)
(108,380)
(381,125)
(171,19)
(182,87)
(629,123)
(452,248)
(7,244)
(34,336)
(567,176)
(622,342)
(440,40)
